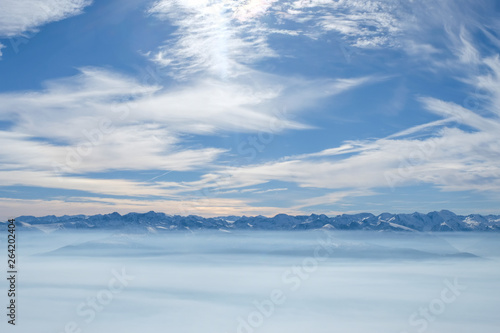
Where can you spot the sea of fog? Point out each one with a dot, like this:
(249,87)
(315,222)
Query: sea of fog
(266,282)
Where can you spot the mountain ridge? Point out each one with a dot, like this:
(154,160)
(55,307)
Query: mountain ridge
(441,221)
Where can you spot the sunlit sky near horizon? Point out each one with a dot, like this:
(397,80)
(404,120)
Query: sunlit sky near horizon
(228,107)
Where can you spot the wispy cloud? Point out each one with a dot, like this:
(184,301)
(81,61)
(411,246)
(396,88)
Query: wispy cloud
(115,187)
(218,37)
(368,24)
(459,152)
(21,16)
(100,121)
(101,131)
(91,205)
(129,125)
(223,37)
(331,198)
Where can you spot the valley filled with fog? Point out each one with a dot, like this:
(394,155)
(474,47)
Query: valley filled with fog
(257,281)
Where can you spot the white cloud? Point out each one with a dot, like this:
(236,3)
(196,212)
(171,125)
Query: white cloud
(223,37)
(101,121)
(89,205)
(253,8)
(461,115)
(217,37)
(436,153)
(363,24)
(271,190)
(421,50)
(453,160)
(20,16)
(1,47)
(203,107)
(331,198)
(101,132)
(468,53)
(116,187)
(408,25)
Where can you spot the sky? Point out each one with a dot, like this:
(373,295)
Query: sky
(257,107)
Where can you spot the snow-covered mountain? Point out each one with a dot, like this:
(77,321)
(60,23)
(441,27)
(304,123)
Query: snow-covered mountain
(160,222)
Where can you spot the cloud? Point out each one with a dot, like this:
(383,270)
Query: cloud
(271,190)
(421,50)
(467,52)
(101,130)
(1,47)
(101,121)
(20,16)
(459,152)
(252,9)
(410,26)
(460,114)
(331,198)
(91,205)
(223,38)
(116,187)
(368,24)
(216,37)
(453,160)
(115,122)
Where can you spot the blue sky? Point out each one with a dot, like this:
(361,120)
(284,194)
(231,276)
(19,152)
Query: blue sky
(249,107)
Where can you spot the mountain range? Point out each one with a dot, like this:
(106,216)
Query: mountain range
(159,222)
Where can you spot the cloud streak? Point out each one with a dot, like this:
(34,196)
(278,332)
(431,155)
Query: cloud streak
(95,205)
(20,16)
(459,152)
(216,37)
